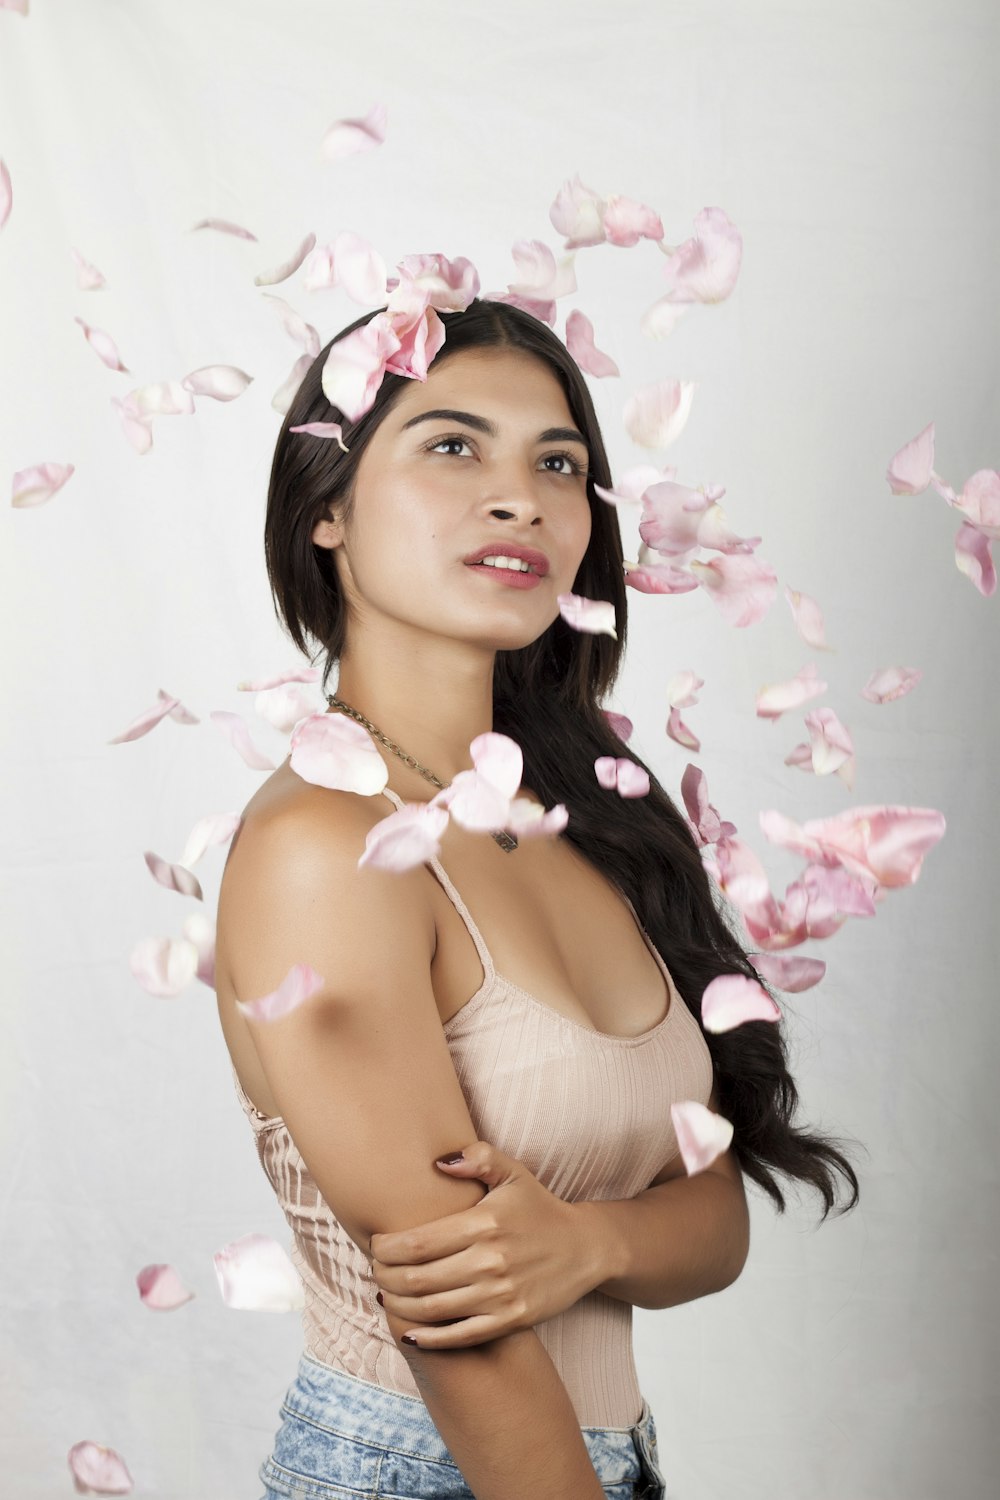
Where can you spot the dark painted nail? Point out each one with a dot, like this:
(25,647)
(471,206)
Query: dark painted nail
(378,1298)
(405,1339)
(451,1159)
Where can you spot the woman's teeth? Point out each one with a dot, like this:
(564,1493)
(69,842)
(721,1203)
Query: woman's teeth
(517,563)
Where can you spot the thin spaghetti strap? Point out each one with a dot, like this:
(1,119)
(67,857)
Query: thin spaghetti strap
(485,957)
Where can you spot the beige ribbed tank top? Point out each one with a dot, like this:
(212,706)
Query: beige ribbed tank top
(587,1112)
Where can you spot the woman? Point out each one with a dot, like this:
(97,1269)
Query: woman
(503,995)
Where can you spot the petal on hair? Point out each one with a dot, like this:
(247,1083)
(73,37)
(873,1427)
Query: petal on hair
(419,341)
(161,1289)
(225,226)
(215,828)
(256,1274)
(355,366)
(593,616)
(334,751)
(742,586)
(96,1470)
(626,221)
(6,194)
(788,972)
(621,726)
(606,771)
(450,285)
(287,267)
(778,697)
(888,683)
(88,277)
(164,966)
(732,999)
(174,877)
(331,430)
(237,733)
(580,343)
(299,984)
(808,618)
(702,1135)
(285,394)
(103,346)
(293,674)
(910,468)
(657,414)
(705,268)
(38,483)
(221,382)
(348,137)
(295,325)
(577,214)
(407,838)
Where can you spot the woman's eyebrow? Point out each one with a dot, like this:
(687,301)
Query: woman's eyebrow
(550,435)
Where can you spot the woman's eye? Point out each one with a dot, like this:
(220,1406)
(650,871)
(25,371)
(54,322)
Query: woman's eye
(573,464)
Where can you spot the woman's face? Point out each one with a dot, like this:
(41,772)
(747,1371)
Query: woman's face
(430,490)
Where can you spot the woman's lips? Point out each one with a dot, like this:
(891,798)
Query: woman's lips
(511,576)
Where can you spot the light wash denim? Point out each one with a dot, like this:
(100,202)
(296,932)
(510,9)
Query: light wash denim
(345,1439)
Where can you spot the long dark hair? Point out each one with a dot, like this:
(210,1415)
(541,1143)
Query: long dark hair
(547,697)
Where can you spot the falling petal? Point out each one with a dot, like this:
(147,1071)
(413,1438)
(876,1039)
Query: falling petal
(778,698)
(705,268)
(236,732)
(732,999)
(405,839)
(103,346)
(38,483)
(831,741)
(887,842)
(657,414)
(199,929)
(348,137)
(295,325)
(979,502)
(287,267)
(161,1289)
(682,689)
(499,759)
(808,618)
(221,382)
(679,732)
(614,497)
(909,471)
(475,802)
(789,972)
(334,751)
(626,222)
(6,192)
(359,268)
(594,616)
(891,682)
(742,586)
(256,1275)
(702,1135)
(331,430)
(527,820)
(174,877)
(580,343)
(285,394)
(282,707)
(97,1470)
(150,717)
(293,674)
(88,277)
(299,984)
(224,226)
(974,558)
(164,966)
(545,311)
(542,277)
(659,578)
(577,214)
(163,398)
(661,319)
(355,366)
(450,284)
(216,828)
(622,726)
(20,6)
(138,429)
(707,826)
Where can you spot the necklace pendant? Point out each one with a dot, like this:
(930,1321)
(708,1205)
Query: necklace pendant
(506,840)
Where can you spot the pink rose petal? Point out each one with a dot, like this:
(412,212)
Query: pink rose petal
(730,1000)
(167,707)
(626,222)
(974,558)
(37,484)
(174,877)
(680,733)
(682,689)
(743,587)
(808,618)
(199,929)
(499,760)
(285,394)
(138,429)
(541,276)
(164,966)
(355,366)
(621,774)
(20,6)
(660,320)
(97,1470)
(88,277)
(225,226)
(887,842)
(544,311)
(527,820)
(216,828)
(162,398)
(580,343)
(298,330)
(577,213)
(332,430)
(299,984)
(292,674)
(789,972)
(6,191)
(334,751)
(891,682)
(659,578)
(103,346)
(237,733)
(161,1289)
(657,414)
(348,137)
(702,1135)
(594,616)
(287,267)
(910,469)
(221,382)
(282,707)
(622,726)
(779,697)
(705,268)
(706,825)
(256,1275)
(406,838)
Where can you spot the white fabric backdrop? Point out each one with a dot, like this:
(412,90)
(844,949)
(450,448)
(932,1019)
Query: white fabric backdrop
(854,147)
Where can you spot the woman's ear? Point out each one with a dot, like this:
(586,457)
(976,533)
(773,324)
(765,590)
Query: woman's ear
(327,534)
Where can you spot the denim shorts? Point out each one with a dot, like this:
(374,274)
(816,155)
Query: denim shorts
(345,1439)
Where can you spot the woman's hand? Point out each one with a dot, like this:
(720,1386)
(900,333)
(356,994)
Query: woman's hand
(515,1259)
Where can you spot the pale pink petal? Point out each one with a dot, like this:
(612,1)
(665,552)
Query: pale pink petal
(355,366)
(620,724)
(541,276)
(103,346)
(164,966)
(299,984)
(789,972)
(177,711)
(891,682)
(88,277)
(979,502)
(221,382)
(475,802)
(225,226)
(97,1470)
(544,311)
(660,320)
(606,770)
(199,929)
(237,733)
(974,558)
(808,618)
(594,616)
(632,780)
(407,838)
(499,760)
(887,842)
(778,698)
(284,706)
(909,471)
(680,733)
(731,999)
(659,578)
(450,285)
(20,6)
(705,268)
(255,1274)
(348,137)
(682,689)
(174,877)
(715,532)
(38,483)
(332,430)
(275,679)
(137,429)
(150,717)
(161,1289)
(285,394)
(614,497)
(334,751)
(527,820)
(743,587)
(419,341)
(6,194)
(162,398)
(295,325)
(626,222)
(706,825)
(215,828)
(580,343)
(577,214)
(657,414)
(702,1135)
(287,267)
(359,268)
(831,741)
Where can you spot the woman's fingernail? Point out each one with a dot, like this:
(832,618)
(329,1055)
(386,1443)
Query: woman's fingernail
(451,1159)
(378,1298)
(406,1339)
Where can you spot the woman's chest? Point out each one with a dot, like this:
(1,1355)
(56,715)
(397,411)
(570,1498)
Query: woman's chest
(553,925)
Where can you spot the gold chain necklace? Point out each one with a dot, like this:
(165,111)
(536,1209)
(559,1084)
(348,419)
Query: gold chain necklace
(507,841)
